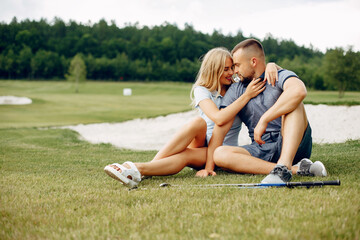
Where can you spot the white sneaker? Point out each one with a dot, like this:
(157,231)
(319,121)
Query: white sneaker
(304,167)
(280,174)
(308,168)
(318,169)
(130,177)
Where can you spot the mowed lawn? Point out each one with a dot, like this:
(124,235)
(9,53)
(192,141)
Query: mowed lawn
(56,103)
(52,184)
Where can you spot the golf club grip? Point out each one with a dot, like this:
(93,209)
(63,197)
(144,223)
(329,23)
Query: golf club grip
(314,183)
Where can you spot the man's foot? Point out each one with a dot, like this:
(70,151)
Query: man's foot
(308,168)
(304,167)
(318,169)
(280,174)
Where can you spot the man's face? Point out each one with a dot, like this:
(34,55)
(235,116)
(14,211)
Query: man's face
(242,66)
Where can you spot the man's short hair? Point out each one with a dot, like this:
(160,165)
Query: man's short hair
(249,43)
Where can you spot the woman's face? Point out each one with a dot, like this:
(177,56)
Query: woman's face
(226,77)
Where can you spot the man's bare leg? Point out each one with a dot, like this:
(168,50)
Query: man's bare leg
(237,159)
(293,128)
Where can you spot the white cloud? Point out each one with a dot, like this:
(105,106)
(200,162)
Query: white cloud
(324,24)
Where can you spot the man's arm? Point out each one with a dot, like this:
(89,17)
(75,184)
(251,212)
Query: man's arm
(293,95)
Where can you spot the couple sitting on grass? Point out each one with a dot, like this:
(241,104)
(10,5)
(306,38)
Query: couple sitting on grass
(274,114)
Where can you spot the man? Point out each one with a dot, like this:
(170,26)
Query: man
(276,119)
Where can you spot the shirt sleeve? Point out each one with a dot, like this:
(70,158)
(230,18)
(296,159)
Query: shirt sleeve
(283,76)
(201,93)
(230,96)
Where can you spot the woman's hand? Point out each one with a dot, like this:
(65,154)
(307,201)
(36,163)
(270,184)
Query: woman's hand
(255,87)
(271,73)
(205,173)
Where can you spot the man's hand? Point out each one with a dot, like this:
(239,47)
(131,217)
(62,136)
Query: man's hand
(205,173)
(259,131)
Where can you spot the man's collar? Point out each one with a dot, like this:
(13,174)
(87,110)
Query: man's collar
(247,83)
(262,75)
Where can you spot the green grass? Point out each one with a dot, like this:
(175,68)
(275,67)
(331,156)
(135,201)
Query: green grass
(56,103)
(52,185)
(332,98)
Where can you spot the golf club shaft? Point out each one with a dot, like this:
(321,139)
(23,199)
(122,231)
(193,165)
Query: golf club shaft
(264,185)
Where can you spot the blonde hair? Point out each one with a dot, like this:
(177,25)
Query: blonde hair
(212,67)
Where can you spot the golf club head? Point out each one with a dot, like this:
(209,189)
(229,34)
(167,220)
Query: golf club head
(164,185)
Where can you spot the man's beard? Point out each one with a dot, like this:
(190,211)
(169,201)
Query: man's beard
(247,79)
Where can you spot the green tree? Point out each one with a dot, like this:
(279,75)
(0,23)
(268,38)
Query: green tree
(23,37)
(162,52)
(353,69)
(77,71)
(186,70)
(87,44)
(342,68)
(46,64)
(306,69)
(24,62)
(10,63)
(167,48)
(121,63)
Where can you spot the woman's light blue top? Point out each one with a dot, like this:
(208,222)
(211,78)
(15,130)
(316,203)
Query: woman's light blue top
(202,93)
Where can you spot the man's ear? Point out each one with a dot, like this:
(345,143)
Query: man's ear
(253,61)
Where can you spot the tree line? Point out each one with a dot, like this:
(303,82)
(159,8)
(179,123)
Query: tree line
(43,50)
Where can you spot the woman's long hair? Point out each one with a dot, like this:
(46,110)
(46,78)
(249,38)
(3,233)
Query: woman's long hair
(212,67)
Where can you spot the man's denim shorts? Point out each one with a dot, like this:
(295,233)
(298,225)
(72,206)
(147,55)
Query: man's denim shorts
(270,151)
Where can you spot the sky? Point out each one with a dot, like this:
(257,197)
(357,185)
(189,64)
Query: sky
(320,24)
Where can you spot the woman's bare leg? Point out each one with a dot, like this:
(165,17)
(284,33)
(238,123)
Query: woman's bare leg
(192,157)
(191,135)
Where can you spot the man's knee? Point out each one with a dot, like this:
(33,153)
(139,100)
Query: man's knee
(297,117)
(221,154)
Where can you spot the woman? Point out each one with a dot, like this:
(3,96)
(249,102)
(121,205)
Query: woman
(189,145)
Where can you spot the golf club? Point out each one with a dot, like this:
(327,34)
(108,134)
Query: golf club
(262,185)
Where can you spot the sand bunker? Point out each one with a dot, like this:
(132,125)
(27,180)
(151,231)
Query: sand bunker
(12,100)
(330,124)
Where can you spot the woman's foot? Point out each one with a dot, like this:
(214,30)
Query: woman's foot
(127,173)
